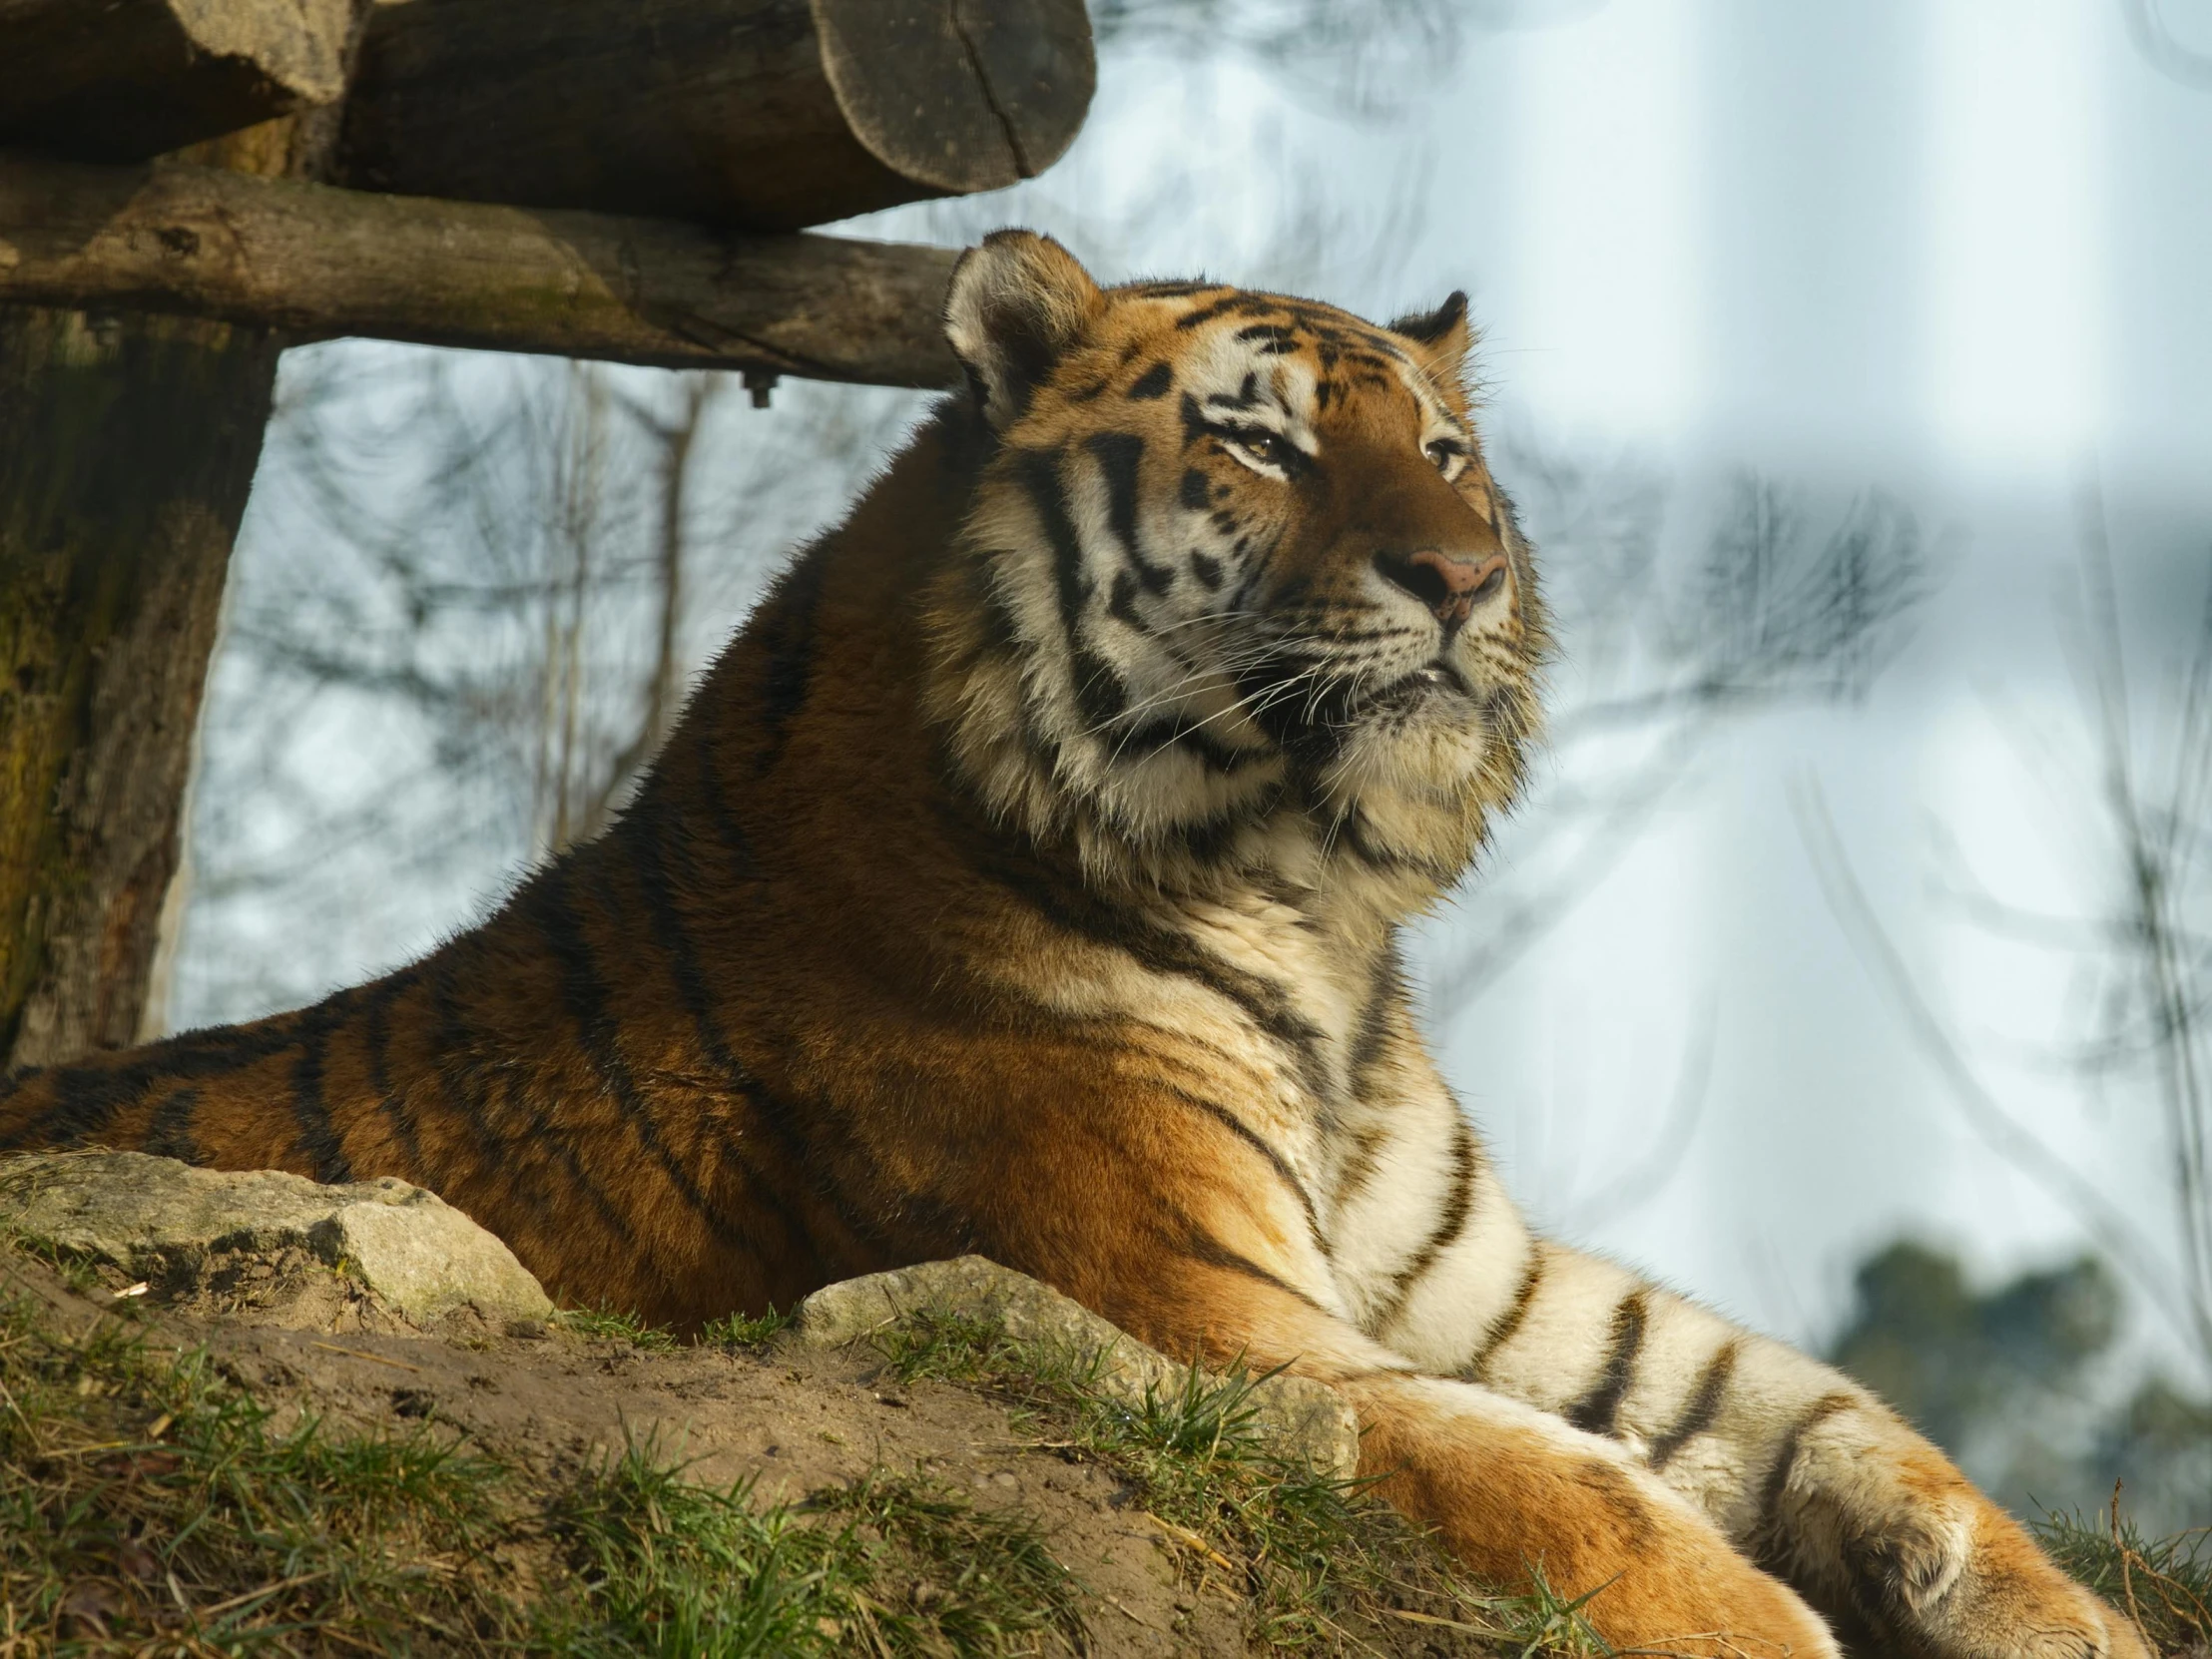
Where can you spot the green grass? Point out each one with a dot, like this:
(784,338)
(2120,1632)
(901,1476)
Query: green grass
(145,1496)
(604,1324)
(149,1504)
(733,1332)
(896,1567)
(1321,1562)
(737,1331)
(2164,1584)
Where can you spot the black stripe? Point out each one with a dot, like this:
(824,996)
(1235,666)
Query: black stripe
(318,1137)
(650,867)
(1246,394)
(1120,457)
(1196,492)
(86,1098)
(1702,1408)
(1121,603)
(1065,902)
(1236,1126)
(1358,1169)
(1373,1030)
(1202,1246)
(1769,1497)
(1179,732)
(1262,1000)
(169,1135)
(461,1079)
(1598,1411)
(1038,472)
(1356,837)
(1206,569)
(1154,382)
(1450,1225)
(553,907)
(376,1046)
(1502,1328)
(788,636)
(1207,312)
(713,792)
(1195,424)
(1100,695)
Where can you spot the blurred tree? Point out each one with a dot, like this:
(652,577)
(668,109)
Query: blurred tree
(2132,790)
(2024,1384)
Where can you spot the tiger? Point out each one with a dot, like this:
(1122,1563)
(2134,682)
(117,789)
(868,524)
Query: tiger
(1026,878)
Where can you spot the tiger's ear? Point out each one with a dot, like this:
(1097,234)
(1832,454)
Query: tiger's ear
(1017,302)
(1440,339)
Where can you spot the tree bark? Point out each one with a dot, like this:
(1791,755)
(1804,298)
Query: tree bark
(127,446)
(126,78)
(126,449)
(760,113)
(318,261)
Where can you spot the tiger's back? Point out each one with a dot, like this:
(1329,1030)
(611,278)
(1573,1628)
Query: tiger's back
(619,1071)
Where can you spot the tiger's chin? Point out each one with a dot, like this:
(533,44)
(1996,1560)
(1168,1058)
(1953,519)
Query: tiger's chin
(1431,762)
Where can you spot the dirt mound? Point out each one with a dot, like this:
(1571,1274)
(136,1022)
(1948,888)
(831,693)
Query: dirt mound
(307,1470)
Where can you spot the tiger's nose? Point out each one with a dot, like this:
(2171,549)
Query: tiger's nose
(1449,587)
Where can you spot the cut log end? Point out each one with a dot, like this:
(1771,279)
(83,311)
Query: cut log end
(960,96)
(761,115)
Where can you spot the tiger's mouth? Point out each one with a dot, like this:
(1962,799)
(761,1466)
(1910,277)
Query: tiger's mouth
(1426,683)
(1313,703)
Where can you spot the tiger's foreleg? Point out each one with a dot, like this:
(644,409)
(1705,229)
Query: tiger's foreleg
(1223,1271)
(1800,1467)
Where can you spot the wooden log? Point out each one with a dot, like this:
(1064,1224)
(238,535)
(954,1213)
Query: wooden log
(760,113)
(123,79)
(318,261)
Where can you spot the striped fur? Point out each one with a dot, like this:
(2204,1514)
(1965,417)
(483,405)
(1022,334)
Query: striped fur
(1024,879)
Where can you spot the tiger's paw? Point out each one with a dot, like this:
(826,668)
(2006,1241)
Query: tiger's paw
(2007,1601)
(1954,1577)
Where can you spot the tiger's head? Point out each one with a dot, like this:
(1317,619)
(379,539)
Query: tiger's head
(1237,590)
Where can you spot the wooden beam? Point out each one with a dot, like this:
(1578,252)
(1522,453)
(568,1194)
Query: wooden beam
(123,79)
(318,261)
(760,113)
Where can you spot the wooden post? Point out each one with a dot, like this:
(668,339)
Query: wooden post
(127,446)
(126,449)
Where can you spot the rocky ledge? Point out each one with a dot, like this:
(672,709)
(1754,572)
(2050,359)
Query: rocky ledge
(279,1249)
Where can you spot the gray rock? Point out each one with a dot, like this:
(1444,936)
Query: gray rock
(1297,1416)
(179,1228)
